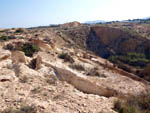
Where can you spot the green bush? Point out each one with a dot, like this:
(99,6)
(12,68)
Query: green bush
(4,38)
(63,55)
(118,105)
(20,37)
(134,104)
(9,47)
(133,59)
(20,30)
(29,49)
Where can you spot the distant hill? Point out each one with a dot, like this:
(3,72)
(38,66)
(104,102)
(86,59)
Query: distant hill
(71,24)
(95,22)
(142,20)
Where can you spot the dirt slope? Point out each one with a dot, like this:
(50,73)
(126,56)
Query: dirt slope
(60,78)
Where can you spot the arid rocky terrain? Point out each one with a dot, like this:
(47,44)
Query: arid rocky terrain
(68,68)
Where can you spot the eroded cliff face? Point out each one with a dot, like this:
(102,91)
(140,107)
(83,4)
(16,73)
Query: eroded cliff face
(107,41)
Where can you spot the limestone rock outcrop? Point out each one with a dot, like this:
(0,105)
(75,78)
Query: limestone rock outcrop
(38,62)
(18,57)
(7,75)
(43,46)
(4,54)
(84,84)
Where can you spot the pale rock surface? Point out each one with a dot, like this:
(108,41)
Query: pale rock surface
(23,70)
(6,64)
(4,54)
(7,75)
(38,62)
(111,85)
(43,46)
(18,57)
(56,97)
(83,84)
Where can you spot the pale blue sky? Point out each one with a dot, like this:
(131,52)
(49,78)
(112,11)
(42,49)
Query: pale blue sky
(27,13)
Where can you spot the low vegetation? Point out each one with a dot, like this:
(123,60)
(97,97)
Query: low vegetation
(94,72)
(22,109)
(78,67)
(136,63)
(66,57)
(134,104)
(23,79)
(6,38)
(21,37)
(9,47)
(51,80)
(20,30)
(3,30)
(133,59)
(3,38)
(29,49)
(36,90)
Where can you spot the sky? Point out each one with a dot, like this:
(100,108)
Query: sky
(30,13)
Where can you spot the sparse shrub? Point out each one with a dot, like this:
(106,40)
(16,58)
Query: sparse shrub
(133,63)
(62,55)
(29,49)
(134,104)
(8,110)
(23,79)
(54,25)
(144,102)
(66,57)
(22,109)
(21,37)
(4,38)
(124,108)
(51,80)
(20,30)
(9,47)
(77,67)
(94,72)
(129,109)
(133,59)
(12,28)
(118,105)
(4,30)
(27,109)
